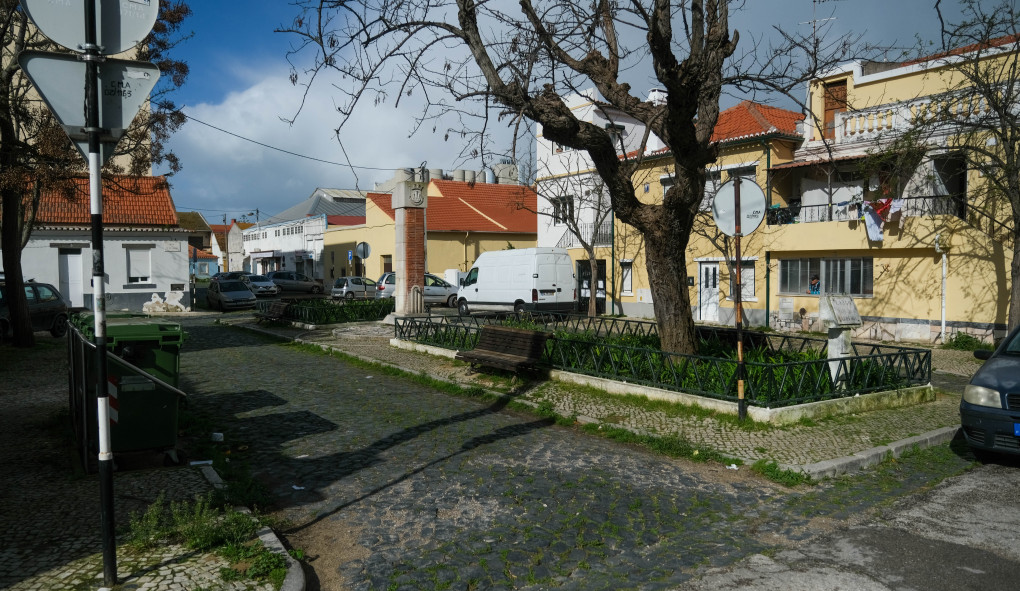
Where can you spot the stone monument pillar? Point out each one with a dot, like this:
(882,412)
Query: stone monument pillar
(840,316)
(409,201)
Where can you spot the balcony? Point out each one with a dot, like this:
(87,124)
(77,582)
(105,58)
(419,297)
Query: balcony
(912,207)
(597,236)
(869,125)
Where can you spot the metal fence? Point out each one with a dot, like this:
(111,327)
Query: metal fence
(780,369)
(329,312)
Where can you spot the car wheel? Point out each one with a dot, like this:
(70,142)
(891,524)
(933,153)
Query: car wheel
(452,302)
(59,327)
(349,295)
(518,308)
(463,309)
(316,289)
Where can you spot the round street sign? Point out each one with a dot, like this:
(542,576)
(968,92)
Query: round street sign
(362,250)
(122,23)
(752,207)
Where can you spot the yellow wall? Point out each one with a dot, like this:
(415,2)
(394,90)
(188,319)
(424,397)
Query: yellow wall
(446,250)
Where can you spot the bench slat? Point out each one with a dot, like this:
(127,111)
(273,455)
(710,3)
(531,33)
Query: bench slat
(506,348)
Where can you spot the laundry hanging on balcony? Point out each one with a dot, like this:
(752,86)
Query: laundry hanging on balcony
(872,222)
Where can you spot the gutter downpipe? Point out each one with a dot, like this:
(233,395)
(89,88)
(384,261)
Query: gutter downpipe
(612,253)
(768,202)
(945,264)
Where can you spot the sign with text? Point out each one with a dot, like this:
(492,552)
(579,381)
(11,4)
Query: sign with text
(124,86)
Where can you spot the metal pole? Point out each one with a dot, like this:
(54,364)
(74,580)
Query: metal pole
(741,403)
(92,57)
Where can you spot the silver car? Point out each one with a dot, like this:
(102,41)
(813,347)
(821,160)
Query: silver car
(437,289)
(349,288)
(260,285)
(229,295)
(291,281)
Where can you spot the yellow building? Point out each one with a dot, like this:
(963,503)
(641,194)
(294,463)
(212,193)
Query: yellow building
(907,231)
(462,220)
(752,139)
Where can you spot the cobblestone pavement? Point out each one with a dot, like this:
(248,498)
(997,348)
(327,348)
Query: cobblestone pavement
(421,489)
(429,491)
(50,514)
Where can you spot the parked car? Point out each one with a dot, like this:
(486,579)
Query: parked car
(990,407)
(229,295)
(437,289)
(260,285)
(349,288)
(291,281)
(46,307)
(228,276)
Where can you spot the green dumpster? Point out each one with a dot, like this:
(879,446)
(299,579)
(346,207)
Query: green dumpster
(150,344)
(143,412)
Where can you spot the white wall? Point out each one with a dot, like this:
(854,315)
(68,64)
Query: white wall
(167,256)
(288,240)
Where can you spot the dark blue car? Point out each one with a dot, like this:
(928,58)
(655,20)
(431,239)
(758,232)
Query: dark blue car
(990,408)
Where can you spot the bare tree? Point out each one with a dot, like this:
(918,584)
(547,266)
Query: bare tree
(468,61)
(36,155)
(978,117)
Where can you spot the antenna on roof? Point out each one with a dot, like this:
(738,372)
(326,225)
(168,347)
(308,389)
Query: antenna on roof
(814,22)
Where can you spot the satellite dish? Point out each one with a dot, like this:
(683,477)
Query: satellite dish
(752,207)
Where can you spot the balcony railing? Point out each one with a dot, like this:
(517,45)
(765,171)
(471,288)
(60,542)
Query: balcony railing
(869,124)
(912,207)
(601,235)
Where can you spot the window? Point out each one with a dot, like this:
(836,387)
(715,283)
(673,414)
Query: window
(138,264)
(746,281)
(46,294)
(561,148)
(847,276)
(627,277)
(562,209)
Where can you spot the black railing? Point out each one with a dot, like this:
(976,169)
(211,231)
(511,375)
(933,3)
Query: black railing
(911,207)
(330,312)
(783,370)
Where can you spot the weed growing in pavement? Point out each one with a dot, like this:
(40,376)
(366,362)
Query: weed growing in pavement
(202,527)
(773,472)
(962,341)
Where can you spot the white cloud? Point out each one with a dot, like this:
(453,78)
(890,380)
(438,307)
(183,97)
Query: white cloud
(231,175)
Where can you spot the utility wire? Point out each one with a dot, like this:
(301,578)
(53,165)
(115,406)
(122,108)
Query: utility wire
(288,152)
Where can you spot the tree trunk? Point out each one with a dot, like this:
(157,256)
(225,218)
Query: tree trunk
(666,263)
(17,304)
(593,291)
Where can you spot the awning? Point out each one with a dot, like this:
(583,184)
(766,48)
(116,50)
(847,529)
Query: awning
(816,162)
(265,254)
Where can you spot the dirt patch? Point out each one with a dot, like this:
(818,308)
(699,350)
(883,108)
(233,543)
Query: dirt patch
(326,545)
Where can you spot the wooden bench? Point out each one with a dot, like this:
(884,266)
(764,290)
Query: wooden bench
(275,312)
(502,347)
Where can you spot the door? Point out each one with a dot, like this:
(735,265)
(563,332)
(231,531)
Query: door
(708,292)
(69,261)
(586,286)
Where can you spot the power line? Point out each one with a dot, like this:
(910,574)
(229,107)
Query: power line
(288,152)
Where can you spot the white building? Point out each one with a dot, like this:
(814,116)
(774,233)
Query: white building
(286,246)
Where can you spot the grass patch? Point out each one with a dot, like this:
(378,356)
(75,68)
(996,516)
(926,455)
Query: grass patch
(204,527)
(772,471)
(962,341)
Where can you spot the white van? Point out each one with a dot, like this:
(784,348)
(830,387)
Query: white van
(539,279)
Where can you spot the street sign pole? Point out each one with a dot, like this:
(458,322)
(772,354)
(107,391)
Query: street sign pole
(741,403)
(111,26)
(92,57)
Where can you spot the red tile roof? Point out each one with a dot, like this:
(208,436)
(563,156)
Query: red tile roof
(475,207)
(202,254)
(973,47)
(127,201)
(752,119)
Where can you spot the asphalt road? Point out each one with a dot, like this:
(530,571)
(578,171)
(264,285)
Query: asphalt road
(392,485)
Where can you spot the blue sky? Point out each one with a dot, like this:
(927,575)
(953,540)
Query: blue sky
(239,83)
